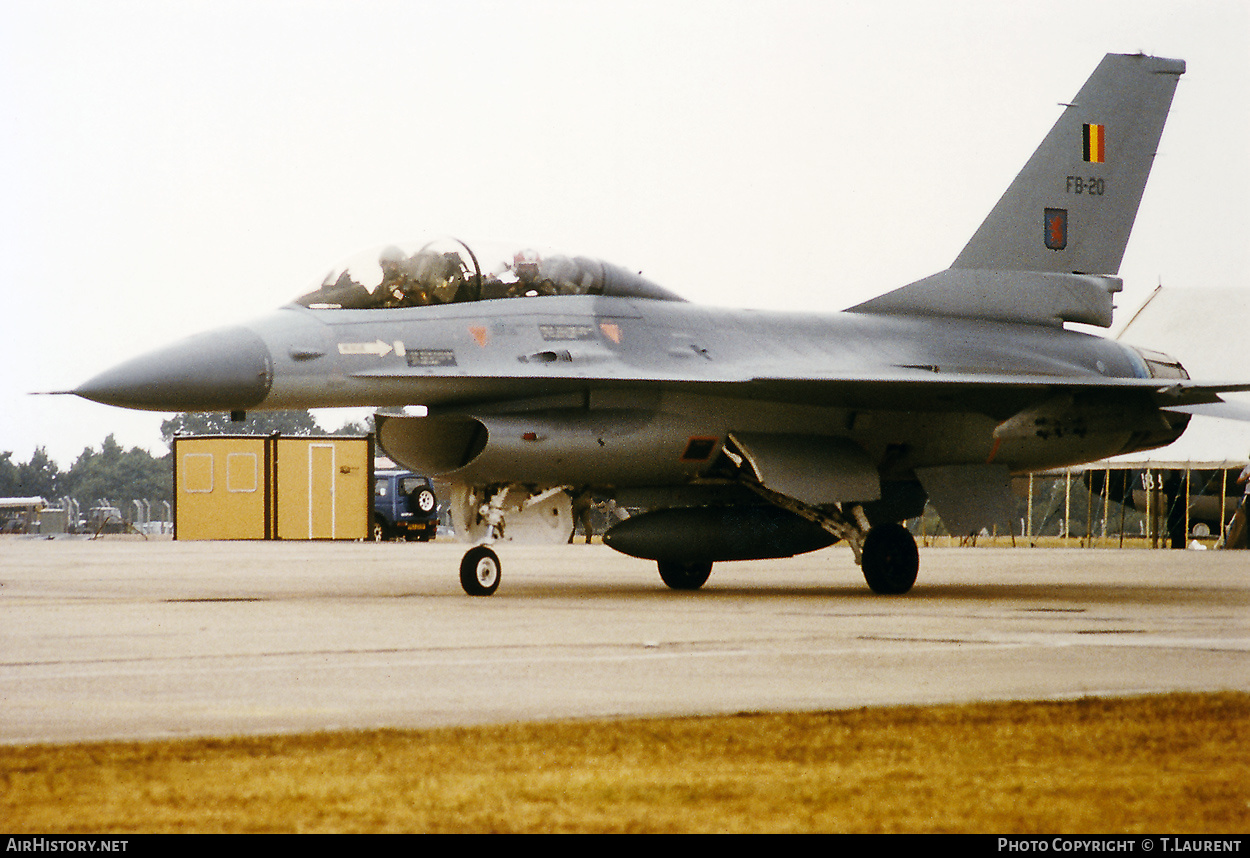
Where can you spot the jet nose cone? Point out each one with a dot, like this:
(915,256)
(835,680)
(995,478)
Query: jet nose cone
(224,370)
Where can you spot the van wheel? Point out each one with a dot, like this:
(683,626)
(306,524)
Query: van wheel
(381,530)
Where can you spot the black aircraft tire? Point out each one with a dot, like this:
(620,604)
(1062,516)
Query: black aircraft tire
(479,571)
(890,560)
(684,576)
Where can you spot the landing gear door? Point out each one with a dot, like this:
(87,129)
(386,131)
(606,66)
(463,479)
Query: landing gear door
(813,469)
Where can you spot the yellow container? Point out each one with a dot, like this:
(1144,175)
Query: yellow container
(271,487)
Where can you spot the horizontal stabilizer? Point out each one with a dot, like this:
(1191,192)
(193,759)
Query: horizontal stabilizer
(1035,297)
(1223,410)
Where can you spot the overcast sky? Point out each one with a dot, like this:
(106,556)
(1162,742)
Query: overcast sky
(170,167)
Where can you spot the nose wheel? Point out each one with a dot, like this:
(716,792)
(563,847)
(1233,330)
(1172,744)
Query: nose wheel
(479,571)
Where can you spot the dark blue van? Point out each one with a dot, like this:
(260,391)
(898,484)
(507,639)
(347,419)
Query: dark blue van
(403,505)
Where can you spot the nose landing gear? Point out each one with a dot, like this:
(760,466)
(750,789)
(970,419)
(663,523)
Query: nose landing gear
(492,514)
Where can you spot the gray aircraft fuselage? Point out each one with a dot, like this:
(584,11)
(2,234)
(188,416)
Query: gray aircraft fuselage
(918,391)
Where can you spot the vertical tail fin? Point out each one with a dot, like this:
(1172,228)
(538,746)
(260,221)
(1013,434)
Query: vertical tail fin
(1072,206)
(1049,250)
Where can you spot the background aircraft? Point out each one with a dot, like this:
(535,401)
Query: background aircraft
(1205,505)
(746,435)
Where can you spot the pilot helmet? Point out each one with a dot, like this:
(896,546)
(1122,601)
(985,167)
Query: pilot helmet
(525,263)
(391,257)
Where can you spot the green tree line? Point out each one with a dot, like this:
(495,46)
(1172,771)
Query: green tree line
(119,476)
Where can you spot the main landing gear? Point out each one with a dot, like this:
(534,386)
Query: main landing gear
(886,553)
(680,575)
(887,556)
(889,559)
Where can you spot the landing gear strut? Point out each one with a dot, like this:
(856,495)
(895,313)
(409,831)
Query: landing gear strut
(886,553)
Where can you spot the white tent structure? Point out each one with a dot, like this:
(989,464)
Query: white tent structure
(1208,331)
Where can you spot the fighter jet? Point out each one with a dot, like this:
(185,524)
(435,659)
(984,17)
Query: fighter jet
(549,379)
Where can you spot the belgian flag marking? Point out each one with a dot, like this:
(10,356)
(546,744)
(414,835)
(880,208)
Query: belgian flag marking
(1094,143)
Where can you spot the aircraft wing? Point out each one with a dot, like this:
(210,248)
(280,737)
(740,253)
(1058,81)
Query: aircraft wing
(990,392)
(900,388)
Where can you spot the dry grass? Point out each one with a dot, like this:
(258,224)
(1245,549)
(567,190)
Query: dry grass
(1174,763)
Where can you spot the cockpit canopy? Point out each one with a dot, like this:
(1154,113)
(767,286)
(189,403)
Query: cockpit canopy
(447,271)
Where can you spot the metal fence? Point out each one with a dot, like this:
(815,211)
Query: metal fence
(1155,505)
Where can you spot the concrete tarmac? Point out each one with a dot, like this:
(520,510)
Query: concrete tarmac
(127,639)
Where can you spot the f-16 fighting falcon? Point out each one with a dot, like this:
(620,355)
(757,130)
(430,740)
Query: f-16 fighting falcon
(550,378)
